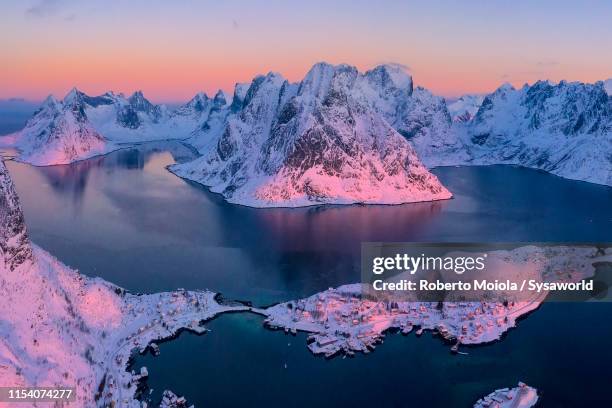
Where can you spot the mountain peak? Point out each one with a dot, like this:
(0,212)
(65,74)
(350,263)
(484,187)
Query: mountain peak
(391,74)
(73,96)
(506,86)
(220,98)
(140,103)
(323,76)
(50,101)
(198,102)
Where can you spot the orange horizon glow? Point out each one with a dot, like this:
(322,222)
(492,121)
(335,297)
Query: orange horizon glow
(171,51)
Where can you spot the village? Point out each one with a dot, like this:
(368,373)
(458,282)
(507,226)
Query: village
(342,320)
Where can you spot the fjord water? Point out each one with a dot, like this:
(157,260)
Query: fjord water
(125,218)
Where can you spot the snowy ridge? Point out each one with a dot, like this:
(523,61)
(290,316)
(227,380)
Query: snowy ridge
(319,141)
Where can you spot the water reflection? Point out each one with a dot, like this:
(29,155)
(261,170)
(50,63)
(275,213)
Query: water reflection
(71,180)
(125,217)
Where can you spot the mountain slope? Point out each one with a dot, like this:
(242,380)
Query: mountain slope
(312,143)
(464,109)
(565,129)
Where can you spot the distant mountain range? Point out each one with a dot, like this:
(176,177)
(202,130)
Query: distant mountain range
(339,136)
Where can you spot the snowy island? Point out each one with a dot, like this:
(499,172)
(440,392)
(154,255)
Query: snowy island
(522,396)
(347,319)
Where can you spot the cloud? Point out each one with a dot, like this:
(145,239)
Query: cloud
(395,64)
(44,8)
(235,24)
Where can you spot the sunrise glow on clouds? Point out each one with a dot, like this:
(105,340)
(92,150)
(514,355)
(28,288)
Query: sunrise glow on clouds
(171,50)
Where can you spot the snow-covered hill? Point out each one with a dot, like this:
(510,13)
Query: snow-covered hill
(324,140)
(564,128)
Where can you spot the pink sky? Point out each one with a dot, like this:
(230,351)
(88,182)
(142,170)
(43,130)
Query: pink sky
(171,50)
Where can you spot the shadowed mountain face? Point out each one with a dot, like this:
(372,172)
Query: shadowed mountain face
(14,242)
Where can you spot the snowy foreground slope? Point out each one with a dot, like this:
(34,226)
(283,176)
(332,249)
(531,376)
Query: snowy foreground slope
(319,141)
(61,329)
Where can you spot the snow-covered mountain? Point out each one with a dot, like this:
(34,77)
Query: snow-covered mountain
(59,133)
(82,126)
(465,108)
(564,128)
(323,140)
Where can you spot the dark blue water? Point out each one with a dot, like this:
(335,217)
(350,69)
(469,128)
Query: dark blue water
(562,349)
(127,219)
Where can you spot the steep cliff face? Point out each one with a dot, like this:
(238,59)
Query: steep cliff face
(319,141)
(45,331)
(14,242)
